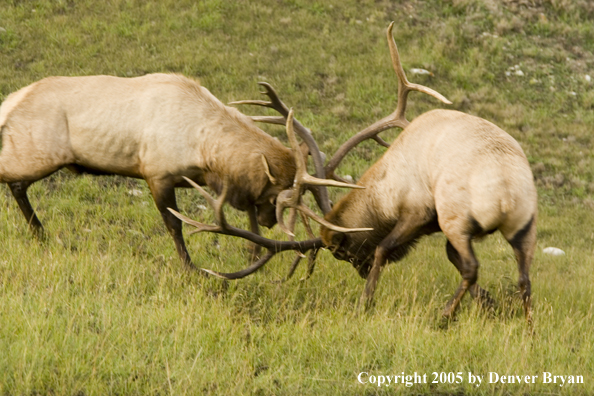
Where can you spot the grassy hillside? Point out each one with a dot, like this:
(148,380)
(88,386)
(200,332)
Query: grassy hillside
(104,306)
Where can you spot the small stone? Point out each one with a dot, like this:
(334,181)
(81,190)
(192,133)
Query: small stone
(135,192)
(553,251)
(421,72)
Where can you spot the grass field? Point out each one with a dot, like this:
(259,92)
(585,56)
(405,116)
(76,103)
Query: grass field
(105,307)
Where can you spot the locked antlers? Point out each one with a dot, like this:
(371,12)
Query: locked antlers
(222,227)
(290,198)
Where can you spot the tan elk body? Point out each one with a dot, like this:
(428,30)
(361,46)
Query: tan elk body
(447,171)
(158,127)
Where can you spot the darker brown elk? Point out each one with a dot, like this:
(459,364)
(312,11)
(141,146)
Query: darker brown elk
(159,127)
(447,171)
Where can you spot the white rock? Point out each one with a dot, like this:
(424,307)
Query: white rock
(420,71)
(349,179)
(135,192)
(553,251)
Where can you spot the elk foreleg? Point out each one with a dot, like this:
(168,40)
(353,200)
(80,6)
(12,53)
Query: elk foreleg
(394,246)
(255,228)
(19,191)
(311,263)
(163,193)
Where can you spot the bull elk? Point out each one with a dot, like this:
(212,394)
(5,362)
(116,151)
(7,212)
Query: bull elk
(447,171)
(158,127)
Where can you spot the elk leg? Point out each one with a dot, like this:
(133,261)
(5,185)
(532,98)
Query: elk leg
(19,191)
(468,269)
(311,263)
(255,228)
(475,290)
(524,243)
(164,196)
(379,260)
(395,246)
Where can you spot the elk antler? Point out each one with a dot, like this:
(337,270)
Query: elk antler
(292,198)
(396,119)
(320,192)
(222,227)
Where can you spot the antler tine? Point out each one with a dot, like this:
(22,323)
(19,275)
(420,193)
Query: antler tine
(404,86)
(396,119)
(217,204)
(292,198)
(200,227)
(327,224)
(277,120)
(244,272)
(301,175)
(275,102)
(284,200)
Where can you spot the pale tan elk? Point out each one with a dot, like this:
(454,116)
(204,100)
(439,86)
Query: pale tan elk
(447,171)
(158,127)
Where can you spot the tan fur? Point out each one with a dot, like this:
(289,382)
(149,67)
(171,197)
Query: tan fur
(446,171)
(451,162)
(159,127)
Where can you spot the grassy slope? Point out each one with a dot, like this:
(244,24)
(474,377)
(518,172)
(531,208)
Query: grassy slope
(103,306)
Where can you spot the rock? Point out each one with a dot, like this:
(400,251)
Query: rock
(135,192)
(553,251)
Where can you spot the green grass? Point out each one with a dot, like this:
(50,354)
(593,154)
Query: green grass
(104,306)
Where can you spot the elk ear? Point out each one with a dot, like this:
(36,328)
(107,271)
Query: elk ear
(267,170)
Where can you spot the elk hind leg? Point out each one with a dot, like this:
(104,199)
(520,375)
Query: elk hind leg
(524,244)
(477,292)
(19,191)
(468,268)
